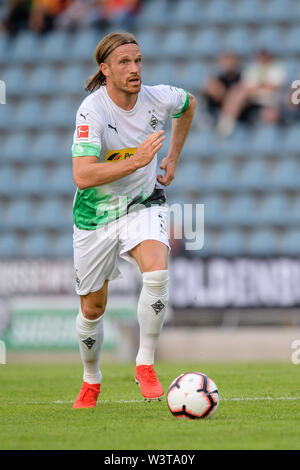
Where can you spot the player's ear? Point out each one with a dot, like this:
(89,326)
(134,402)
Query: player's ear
(104,68)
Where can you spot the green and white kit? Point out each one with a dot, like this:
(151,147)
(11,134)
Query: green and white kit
(110,133)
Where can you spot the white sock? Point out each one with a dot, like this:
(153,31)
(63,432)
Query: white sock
(152,306)
(90,335)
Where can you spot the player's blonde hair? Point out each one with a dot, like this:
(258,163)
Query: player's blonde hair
(105,47)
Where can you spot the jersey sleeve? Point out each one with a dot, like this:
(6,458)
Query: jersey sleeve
(177,100)
(87,135)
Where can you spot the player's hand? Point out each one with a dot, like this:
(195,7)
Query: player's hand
(147,149)
(169,168)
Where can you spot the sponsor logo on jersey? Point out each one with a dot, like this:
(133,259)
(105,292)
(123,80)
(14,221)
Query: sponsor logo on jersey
(116,155)
(83,132)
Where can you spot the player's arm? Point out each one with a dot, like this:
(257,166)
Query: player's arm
(180,130)
(88,173)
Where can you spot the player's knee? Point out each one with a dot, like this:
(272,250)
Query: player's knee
(156,282)
(93,311)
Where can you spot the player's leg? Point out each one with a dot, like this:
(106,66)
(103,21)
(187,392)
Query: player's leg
(145,243)
(90,333)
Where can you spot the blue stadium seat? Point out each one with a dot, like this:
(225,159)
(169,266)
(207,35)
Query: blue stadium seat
(33,181)
(239,40)
(286,175)
(176,44)
(292,43)
(231,243)
(25,49)
(153,13)
(219,12)
(291,139)
(188,177)
(56,47)
(7,117)
(19,216)
(28,115)
(215,211)
(4,48)
(17,148)
(207,42)
(37,245)
(61,181)
(191,76)
(83,46)
(51,214)
(63,246)
(149,43)
(223,176)
(291,243)
(276,210)
(43,81)
(9,246)
(243,211)
(8,182)
(46,148)
(15,81)
(271,39)
(236,144)
(250,11)
(263,242)
(255,175)
(159,73)
(73,79)
(280,11)
(60,114)
(267,140)
(207,145)
(187,13)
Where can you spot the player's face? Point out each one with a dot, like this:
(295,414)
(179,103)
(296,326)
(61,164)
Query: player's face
(124,68)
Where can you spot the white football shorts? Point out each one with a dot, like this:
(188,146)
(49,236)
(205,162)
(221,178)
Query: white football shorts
(96,252)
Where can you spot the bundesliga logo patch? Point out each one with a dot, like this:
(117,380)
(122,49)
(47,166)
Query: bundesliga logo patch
(83,132)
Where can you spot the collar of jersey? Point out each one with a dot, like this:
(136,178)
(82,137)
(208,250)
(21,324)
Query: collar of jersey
(130,111)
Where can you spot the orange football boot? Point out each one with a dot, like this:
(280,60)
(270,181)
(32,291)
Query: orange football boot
(150,386)
(88,396)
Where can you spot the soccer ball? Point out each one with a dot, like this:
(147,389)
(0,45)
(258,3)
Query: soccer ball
(193,396)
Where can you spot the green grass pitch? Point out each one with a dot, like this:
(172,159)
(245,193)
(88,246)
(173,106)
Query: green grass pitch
(36,409)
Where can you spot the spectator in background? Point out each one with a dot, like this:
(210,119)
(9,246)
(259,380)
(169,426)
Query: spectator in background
(17,16)
(261,84)
(44,12)
(217,87)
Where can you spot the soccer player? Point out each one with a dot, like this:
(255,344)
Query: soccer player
(120,207)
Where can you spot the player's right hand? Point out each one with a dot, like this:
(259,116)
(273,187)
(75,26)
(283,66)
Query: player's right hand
(147,149)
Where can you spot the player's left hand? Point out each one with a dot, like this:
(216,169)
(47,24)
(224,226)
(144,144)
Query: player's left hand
(169,168)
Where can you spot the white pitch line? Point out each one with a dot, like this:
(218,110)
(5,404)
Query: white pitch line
(62,402)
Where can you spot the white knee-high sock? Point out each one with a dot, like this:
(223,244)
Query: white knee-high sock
(152,306)
(90,335)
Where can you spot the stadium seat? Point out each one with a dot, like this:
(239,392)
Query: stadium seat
(63,246)
(28,115)
(51,214)
(17,148)
(291,139)
(20,216)
(37,245)
(267,140)
(291,243)
(176,44)
(231,243)
(8,182)
(188,177)
(239,40)
(243,210)
(255,175)
(280,11)
(286,175)
(250,11)
(271,39)
(222,177)
(190,76)
(43,81)
(9,246)
(263,242)
(56,47)
(187,13)
(16,81)
(153,14)
(215,211)
(206,43)
(73,80)
(33,181)
(292,44)
(46,147)
(83,46)
(7,117)
(149,43)
(4,48)
(25,48)
(219,12)
(61,181)
(60,114)
(276,210)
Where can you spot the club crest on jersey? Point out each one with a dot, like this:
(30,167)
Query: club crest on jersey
(116,155)
(83,132)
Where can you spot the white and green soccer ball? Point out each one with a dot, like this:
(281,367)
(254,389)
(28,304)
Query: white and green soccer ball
(193,395)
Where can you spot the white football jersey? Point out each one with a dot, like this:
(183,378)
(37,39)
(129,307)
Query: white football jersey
(110,133)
